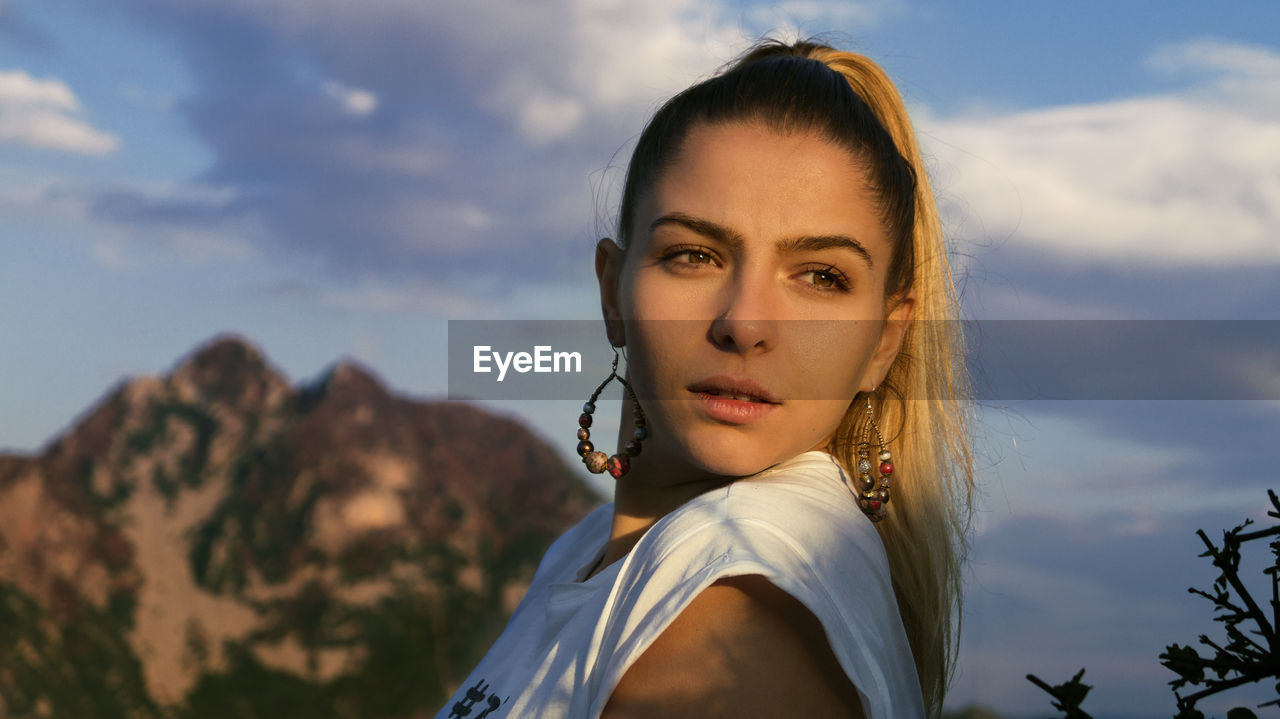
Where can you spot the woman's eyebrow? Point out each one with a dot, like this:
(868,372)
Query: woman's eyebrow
(812,243)
(706,228)
(803,243)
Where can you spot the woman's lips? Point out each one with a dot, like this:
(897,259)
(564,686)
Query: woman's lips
(733,411)
(733,400)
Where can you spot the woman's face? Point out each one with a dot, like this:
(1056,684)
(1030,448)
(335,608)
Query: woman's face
(752,298)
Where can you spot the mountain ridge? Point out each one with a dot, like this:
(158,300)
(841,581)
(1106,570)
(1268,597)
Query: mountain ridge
(217,520)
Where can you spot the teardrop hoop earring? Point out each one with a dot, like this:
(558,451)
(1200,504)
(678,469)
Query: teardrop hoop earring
(597,461)
(872,492)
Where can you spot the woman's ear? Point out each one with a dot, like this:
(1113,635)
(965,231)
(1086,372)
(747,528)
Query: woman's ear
(609,260)
(892,334)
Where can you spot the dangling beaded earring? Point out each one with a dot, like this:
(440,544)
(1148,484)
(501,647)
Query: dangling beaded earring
(873,493)
(597,461)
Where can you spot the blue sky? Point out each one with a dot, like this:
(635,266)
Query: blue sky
(334,179)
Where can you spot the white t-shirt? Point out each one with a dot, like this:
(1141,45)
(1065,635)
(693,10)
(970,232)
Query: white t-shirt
(569,642)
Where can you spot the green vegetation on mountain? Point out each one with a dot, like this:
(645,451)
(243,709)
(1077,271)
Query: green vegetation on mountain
(216,543)
(78,665)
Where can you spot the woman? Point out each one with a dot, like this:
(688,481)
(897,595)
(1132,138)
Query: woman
(781,290)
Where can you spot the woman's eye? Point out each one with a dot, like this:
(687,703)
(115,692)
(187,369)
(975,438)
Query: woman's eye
(828,279)
(689,257)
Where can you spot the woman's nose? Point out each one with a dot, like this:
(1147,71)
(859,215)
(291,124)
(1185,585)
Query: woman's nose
(747,323)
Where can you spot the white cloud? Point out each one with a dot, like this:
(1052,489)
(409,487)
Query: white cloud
(492,116)
(353,100)
(135,226)
(544,119)
(42,114)
(19,87)
(608,61)
(1181,179)
(542,66)
(1208,55)
(550,67)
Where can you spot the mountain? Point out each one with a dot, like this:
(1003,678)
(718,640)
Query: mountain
(217,542)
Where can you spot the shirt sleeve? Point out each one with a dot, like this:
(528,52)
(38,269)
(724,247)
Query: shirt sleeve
(829,560)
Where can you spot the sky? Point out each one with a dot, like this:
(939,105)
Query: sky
(339,180)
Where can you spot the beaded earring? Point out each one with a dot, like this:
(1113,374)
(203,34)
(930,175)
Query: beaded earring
(597,461)
(873,493)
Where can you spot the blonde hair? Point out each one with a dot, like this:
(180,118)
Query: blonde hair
(925,532)
(806,86)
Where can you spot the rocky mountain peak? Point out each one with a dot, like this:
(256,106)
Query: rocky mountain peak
(350,380)
(225,353)
(215,532)
(229,369)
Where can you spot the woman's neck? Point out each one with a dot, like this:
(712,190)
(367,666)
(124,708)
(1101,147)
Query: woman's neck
(655,486)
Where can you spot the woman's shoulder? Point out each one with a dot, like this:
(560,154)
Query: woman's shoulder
(802,505)
(795,524)
(756,652)
(797,527)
